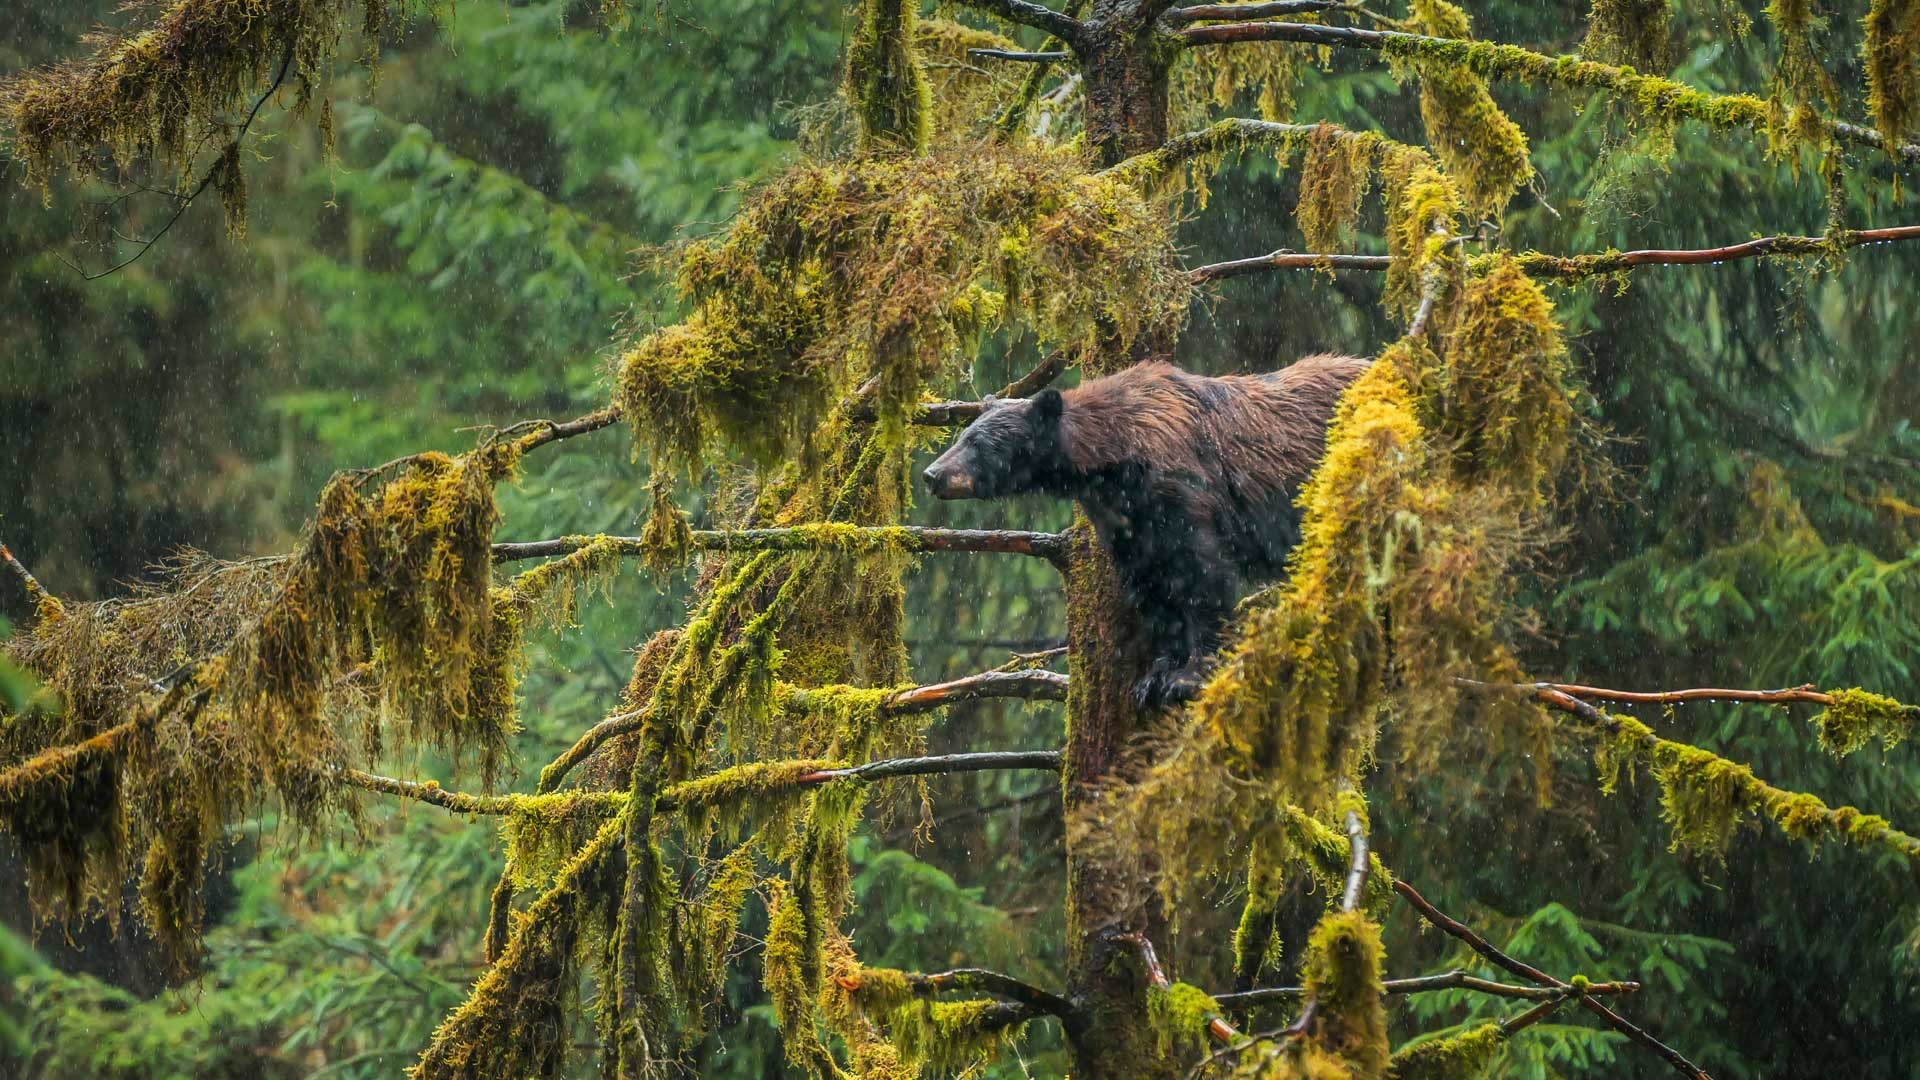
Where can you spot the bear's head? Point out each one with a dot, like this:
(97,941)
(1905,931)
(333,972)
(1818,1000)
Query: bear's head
(1012,448)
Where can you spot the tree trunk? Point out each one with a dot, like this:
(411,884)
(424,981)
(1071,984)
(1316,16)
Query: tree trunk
(1109,892)
(1124,66)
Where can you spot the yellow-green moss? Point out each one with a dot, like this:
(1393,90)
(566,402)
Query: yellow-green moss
(1858,716)
(1179,1015)
(1481,148)
(1465,1056)
(1342,972)
(1889,49)
(542,833)
(885,82)
(1630,32)
(551,592)
(869,272)
(945,1037)
(666,541)
(1333,180)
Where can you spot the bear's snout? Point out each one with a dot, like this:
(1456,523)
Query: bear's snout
(947,483)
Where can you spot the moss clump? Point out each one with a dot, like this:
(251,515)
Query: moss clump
(1481,148)
(1889,49)
(1858,716)
(666,541)
(725,797)
(945,1037)
(1179,1015)
(885,82)
(223,683)
(1706,798)
(1333,180)
(1630,32)
(1342,972)
(1207,81)
(806,920)
(550,593)
(869,272)
(541,833)
(1465,1056)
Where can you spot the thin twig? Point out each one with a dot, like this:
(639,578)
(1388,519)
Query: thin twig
(35,591)
(1289,260)
(1456,979)
(1021,57)
(1027,13)
(1533,974)
(1049,546)
(185,201)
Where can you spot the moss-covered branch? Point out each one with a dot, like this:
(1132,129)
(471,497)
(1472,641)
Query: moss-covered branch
(1457,979)
(1706,797)
(1532,974)
(1269,9)
(715,789)
(1655,96)
(881,984)
(1290,260)
(822,536)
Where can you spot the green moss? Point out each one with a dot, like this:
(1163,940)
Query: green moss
(666,541)
(1333,180)
(1481,148)
(945,1037)
(871,275)
(1891,42)
(1858,716)
(1465,1056)
(886,83)
(1342,972)
(1179,1015)
(542,833)
(551,592)
(1630,32)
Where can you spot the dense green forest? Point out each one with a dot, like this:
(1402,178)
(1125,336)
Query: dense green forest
(784,245)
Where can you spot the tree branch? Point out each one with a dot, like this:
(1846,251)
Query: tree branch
(1027,13)
(1496,61)
(1217,1026)
(992,982)
(36,593)
(1181,16)
(673,797)
(1535,975)
(206,181)
(1456,979)
(1804,692)
(1051,367)
(1020,57)
(1289,260)
(819,536)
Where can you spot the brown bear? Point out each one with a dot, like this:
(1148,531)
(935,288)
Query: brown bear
(1189,480)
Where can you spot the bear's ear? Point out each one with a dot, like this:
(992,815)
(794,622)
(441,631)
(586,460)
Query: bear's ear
(1048,404)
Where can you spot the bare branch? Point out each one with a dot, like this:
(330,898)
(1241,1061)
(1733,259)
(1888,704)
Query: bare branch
(1027,13)
(1051,367)
(1804,692)
(672,798)
(1049,546)
(1289,260)
(1535,975)
(36,593)
(1180,16)
(1456,979)
(1040,760)
(186,200)
(1020,57)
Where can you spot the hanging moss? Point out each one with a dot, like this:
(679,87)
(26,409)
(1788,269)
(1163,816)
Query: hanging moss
(1893,82)
(1419,197)
(1630,32)
(551,592)
(1179,1015)
(1706,798)
(1481,148)
(1333,180)
(542,833)
(666,541)
(517,1021)
(868,273)
(1465,1056)
(885,82)
(1205,82)
(946,1037)
(968,96)
(1858,716)
(1342,972)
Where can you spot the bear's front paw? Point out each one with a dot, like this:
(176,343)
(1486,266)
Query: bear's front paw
(1167,683)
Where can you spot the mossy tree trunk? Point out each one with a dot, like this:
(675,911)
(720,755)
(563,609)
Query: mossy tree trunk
(1126,89)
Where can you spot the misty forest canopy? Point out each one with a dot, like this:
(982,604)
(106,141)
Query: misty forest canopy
(1637,421)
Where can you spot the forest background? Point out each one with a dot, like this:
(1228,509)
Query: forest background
(489,231)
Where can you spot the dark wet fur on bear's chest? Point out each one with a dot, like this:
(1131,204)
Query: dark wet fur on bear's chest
(1190,482)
